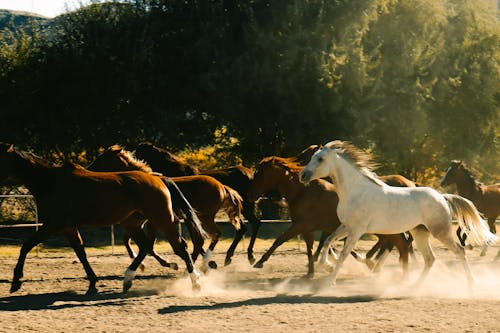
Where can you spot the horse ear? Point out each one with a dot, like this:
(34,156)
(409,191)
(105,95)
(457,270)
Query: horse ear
(10,149)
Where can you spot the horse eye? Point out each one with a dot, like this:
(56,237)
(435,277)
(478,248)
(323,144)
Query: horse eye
(321,159)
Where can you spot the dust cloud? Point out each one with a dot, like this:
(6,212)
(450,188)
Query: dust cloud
(446,280)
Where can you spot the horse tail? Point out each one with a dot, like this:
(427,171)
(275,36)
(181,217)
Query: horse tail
(179,201)
(470,221)
(236,201)
(234,196)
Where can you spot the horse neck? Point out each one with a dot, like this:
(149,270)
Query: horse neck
(289,187)
(31,173)
(467,186)
(349,179)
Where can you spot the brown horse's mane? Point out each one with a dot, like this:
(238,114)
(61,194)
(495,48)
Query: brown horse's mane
(129,157)
(288,163)
(358,157)
(35,159)
(468,173)
(169,155)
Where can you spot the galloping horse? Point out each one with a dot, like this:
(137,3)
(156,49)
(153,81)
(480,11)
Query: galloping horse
(70,196)
(368,205)
(312,207)
(206,194)
(385,243)
(486,198)
(237,177)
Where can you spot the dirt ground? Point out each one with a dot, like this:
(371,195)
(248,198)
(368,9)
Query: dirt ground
(239,298)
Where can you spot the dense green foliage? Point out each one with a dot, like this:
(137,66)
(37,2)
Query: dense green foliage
(417,82)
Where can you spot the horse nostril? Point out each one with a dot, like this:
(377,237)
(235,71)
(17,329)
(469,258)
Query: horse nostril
(303,176)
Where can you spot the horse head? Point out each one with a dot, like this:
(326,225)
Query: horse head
(451,173)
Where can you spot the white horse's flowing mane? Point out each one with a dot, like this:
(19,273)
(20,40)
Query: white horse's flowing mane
(357,157)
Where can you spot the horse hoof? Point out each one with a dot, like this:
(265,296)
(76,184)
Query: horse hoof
(251,260)
(227,262)
(173,266)
(196,287)
(16,285)
(212,264)
(126,286)
(309,275)
(259,265)
(370,263)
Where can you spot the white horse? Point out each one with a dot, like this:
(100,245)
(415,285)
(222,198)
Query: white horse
(367,205)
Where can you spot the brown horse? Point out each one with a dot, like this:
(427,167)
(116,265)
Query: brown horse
(237,177)
(206,194)
(70,196)
(486,198)
(385,243)
(312,207)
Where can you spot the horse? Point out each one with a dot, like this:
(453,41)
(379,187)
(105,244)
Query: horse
(206,194)
(311,207)
(69,196)
(237,177)
(385,243)
(486,198)
(368,205)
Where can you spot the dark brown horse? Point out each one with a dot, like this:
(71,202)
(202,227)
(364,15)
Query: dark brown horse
(70,196)
(237,177)
(206,194)
(385,243)
(312,207)
(486,198)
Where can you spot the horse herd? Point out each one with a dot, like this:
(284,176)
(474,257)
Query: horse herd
(329,188)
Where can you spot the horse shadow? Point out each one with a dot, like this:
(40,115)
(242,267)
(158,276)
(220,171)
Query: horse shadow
(278,299)
(73,299)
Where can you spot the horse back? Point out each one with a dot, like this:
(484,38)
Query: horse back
(237,177)
(204,193)
(83,197)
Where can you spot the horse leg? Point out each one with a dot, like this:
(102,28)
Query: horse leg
(294,230)
(382,255)
(179,246)
(75,240)
(237,238)
(323,237)
(207,263)
(309,239)
(249,214)
(380,245)
(151,238)
(352,238)
(403,247)
(497,256)
(409,242)
(145,245)
(29,244)
(459,251)
(339,233)
(131,253)
(421,236)
(493,229)
(169,229)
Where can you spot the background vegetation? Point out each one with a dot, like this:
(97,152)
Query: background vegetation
(415,82)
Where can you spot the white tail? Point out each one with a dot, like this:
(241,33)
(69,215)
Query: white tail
(470,221)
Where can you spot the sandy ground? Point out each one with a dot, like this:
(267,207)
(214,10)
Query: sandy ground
(239,298)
